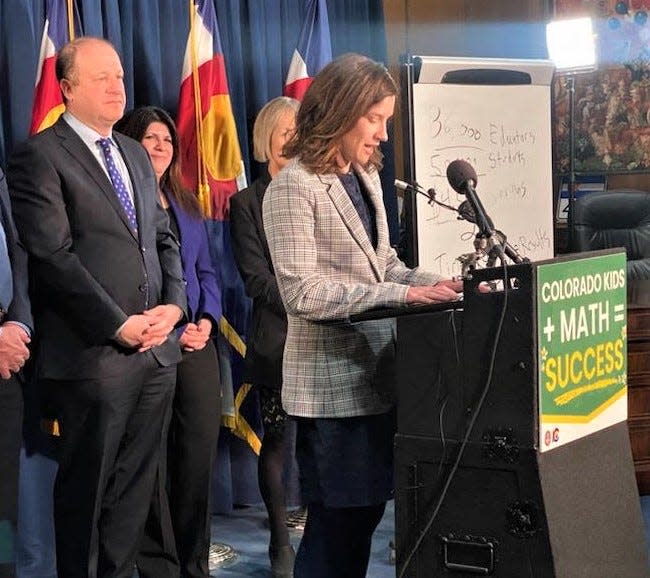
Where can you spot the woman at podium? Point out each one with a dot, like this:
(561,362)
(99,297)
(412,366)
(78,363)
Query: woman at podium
(327,232)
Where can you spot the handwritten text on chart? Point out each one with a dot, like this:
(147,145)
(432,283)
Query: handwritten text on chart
(496,147)
(504,133)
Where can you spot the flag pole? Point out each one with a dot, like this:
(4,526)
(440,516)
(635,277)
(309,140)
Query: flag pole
(203,188)
(70,20)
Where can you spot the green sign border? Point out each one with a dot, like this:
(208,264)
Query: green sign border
(582,337)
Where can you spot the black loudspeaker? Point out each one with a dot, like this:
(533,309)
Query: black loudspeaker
(509,510)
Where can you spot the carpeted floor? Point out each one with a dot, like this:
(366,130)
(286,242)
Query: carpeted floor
(246,531)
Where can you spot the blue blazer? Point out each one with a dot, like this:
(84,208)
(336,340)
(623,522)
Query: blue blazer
(203,293)
(20,308)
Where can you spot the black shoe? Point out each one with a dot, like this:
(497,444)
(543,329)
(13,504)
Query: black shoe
(282,560)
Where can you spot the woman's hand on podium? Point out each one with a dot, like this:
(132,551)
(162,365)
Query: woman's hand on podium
(443,291)
(455,283)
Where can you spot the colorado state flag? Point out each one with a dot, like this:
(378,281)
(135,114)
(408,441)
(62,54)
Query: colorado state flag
(313,52)
(48,102)
(212,166)
(211,157)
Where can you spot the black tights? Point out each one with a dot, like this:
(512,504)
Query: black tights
(337,541)
(270,468)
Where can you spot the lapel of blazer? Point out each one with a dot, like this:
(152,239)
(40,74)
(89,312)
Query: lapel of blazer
(184,228)
(350,218)
(259,188)
(73,144)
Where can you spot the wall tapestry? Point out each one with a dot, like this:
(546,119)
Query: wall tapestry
(612,104)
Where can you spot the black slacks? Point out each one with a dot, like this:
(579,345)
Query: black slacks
(183,523)
(11,418)
(109,451)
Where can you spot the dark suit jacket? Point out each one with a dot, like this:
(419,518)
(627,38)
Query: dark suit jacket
(90,270)
(203,294)
(20,309)
(268,332)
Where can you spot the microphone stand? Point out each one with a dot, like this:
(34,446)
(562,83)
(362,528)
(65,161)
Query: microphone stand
(485,226)
(487,235)
(488,241)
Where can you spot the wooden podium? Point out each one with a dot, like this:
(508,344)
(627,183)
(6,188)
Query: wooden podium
(638,370)
(543,483)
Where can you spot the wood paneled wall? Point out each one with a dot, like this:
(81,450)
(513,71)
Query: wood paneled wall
(455,28)
(638,371)
(487,28)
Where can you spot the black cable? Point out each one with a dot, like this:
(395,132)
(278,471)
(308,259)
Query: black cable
(470,427)
(444,401)
(443,440)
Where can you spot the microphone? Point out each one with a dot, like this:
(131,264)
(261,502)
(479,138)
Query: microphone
(429,194)
(401,185)
(462,178)
(404,186)
(461,174)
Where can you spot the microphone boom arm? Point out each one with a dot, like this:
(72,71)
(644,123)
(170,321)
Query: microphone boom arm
(430,194)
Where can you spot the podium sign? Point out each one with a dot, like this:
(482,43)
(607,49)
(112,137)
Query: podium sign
(582,347)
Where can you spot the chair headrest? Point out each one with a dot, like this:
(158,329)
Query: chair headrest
(619,218)
(617,209)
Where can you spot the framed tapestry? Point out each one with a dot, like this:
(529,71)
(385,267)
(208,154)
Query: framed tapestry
(612,104)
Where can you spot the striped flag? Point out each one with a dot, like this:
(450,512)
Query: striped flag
(313,52)
(211,157)
(48,102)
(212,166)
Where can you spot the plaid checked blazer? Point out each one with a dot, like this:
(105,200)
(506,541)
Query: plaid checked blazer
(327,270)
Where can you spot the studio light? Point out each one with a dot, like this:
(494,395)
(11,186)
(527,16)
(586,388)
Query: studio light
(571,44)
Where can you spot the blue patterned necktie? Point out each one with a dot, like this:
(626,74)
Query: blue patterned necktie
(118,182)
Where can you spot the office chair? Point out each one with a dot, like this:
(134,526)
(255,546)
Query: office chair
(616,218)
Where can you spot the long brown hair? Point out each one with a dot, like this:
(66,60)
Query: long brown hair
(135,124)
(339,95)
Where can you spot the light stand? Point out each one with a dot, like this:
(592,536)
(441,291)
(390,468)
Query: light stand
(572,47)
(571,187)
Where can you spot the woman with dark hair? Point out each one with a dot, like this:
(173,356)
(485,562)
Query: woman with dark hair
(327,233)
(273,127)
(196,411)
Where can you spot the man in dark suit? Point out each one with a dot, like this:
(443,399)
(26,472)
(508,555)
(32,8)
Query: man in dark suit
(15,329)
(108,290)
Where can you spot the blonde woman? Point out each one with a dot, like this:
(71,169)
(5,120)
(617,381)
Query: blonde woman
(273,127)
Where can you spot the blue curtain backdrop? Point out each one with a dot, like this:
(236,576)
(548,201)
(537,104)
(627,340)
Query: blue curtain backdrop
(258,38)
